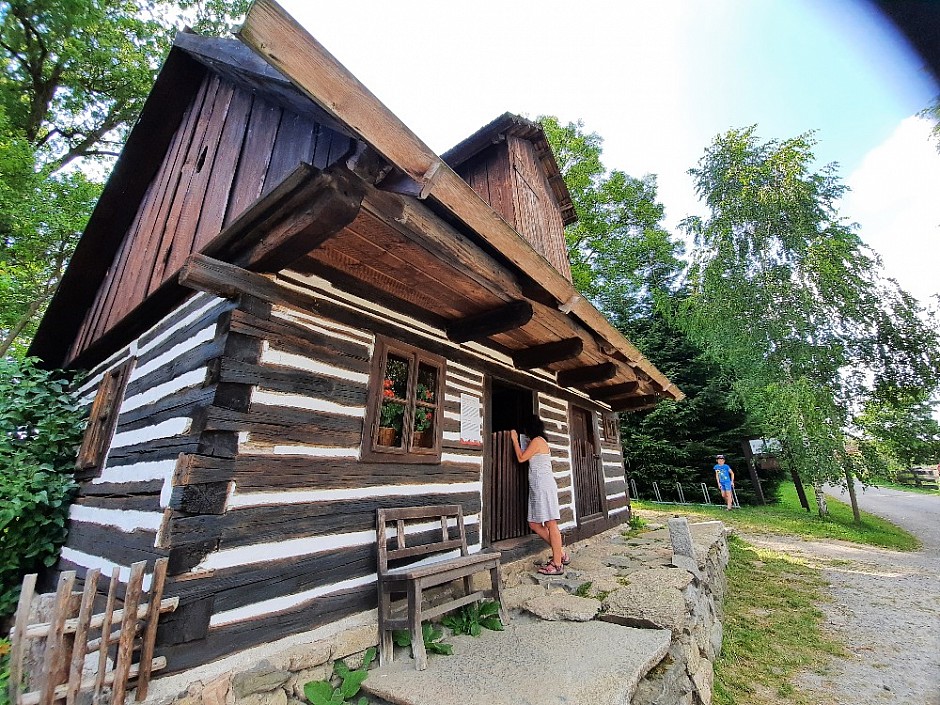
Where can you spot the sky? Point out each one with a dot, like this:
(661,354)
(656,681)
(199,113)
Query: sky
(659,80)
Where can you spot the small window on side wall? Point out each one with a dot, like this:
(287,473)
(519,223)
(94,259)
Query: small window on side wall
(102,421)
(609,428)
(405,412)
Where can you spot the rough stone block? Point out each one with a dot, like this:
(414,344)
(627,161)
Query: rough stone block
(680,536)
(704,680)
(556,608)
(261,679)
(306,656)
(687,563)
(354,640)
(661,578)
(646,605)
(219,691)
(274,697)
(317,673)
(514,598)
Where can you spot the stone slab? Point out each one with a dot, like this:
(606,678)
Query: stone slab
(532,662)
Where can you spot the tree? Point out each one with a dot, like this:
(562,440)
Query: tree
(619,252)
(901,431)
(785,296)
(74,75)
(627,263)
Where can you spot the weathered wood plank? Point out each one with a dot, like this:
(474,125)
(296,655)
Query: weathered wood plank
(280,425)
(477,327)
(284,379)
(583,376)
(254,158)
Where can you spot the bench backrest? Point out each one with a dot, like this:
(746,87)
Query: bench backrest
(434,538)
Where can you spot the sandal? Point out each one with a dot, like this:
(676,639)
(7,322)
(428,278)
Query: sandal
(565,560)
(551,569)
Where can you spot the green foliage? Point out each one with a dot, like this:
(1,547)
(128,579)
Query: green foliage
(432,635)
(470,619)
(40,430)
(4,671)
(348,683)
(620,254)
(898,434)
(583,590)
(784,296)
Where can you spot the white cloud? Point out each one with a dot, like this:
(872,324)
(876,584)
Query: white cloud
(895,198)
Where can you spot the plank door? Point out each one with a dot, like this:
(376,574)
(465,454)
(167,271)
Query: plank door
(508,491)
(589,494)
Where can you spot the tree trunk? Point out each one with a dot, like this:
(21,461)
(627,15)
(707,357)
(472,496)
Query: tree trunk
(821,499)
(19,327)
(850,479)
(798,483)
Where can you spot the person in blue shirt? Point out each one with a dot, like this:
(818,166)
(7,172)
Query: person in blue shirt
(724,475)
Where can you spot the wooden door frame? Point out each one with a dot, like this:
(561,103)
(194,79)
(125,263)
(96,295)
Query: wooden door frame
(603,515)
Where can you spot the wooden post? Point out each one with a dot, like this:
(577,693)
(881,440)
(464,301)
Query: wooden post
(81,635)
(18,646)
(122,664)
(55,659)
(150,635)
(106,634)
(752,469)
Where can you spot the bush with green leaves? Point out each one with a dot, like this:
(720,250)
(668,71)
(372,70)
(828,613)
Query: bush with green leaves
(470,619)
(40,431)
(432,635)
(324,693)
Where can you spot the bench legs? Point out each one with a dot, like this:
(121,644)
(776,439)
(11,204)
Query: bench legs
(496,580)
(414,625)
(386,647)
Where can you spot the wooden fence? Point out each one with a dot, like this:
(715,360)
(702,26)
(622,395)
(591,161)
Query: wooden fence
(74,631)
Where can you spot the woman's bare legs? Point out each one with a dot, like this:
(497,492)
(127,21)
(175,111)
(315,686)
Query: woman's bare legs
(551,535)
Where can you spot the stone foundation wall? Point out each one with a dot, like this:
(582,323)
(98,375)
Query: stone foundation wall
(635,581)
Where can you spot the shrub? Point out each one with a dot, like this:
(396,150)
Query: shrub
(40,431)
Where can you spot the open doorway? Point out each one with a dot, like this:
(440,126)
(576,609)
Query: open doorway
(505,481)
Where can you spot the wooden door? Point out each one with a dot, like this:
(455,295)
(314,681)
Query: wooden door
(589,495)
(508,491)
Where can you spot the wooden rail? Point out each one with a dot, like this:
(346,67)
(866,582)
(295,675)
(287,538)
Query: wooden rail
(70,636)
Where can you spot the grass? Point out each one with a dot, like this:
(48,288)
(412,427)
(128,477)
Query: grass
(772,627)
(788,517)
(904,488)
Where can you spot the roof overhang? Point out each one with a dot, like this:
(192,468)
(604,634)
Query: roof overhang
(608,358)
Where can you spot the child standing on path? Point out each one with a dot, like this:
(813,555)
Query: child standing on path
(724,475)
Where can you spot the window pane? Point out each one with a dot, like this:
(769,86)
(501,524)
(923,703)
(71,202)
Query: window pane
(426,407)
(394,399)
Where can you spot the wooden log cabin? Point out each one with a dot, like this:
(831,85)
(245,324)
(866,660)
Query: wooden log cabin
(294,313)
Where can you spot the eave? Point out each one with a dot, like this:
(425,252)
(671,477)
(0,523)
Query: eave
(282,42)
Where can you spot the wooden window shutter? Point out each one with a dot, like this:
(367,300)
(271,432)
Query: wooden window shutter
(103,419)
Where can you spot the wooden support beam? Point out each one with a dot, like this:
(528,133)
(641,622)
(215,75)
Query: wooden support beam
(615,390)
(547,353)
(583,376)
(305,209)
(282,42)
(483,325)
(636,403)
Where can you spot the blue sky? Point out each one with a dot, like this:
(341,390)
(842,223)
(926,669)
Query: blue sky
(658,80)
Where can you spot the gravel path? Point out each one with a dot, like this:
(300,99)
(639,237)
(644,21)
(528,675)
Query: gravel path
(885,607)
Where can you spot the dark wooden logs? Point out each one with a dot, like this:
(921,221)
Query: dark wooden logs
(636,403)
(547,353)
(583,376)
(615,390)
(483,325)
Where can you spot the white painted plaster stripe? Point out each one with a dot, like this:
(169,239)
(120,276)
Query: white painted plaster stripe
(177,351)
(613,479)
(297,401)
(182,323)
(452,387)
(257,499)
(471,373)
(192,378)
(137,472)
(324,326)
(165,429)
(279,604)
(308,545)
(307,364)
(617,495)
(89,561)
(618,510)
(127,520)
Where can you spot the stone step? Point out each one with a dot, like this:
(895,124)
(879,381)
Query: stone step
(532,662)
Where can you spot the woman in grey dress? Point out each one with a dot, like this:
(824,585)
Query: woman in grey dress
(543,492)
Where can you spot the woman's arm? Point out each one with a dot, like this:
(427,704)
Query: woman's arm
(536,446)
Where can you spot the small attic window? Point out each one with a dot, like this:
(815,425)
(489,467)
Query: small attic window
(102,421)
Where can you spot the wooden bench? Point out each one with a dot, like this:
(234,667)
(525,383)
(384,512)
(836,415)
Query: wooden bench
(427,542)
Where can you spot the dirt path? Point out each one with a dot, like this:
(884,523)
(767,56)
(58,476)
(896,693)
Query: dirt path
(885,608)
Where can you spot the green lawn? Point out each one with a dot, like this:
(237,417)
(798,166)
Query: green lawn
(788,517)
(773,627)
(904,488)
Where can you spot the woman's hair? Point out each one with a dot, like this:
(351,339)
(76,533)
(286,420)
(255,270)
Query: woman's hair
(534,427)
